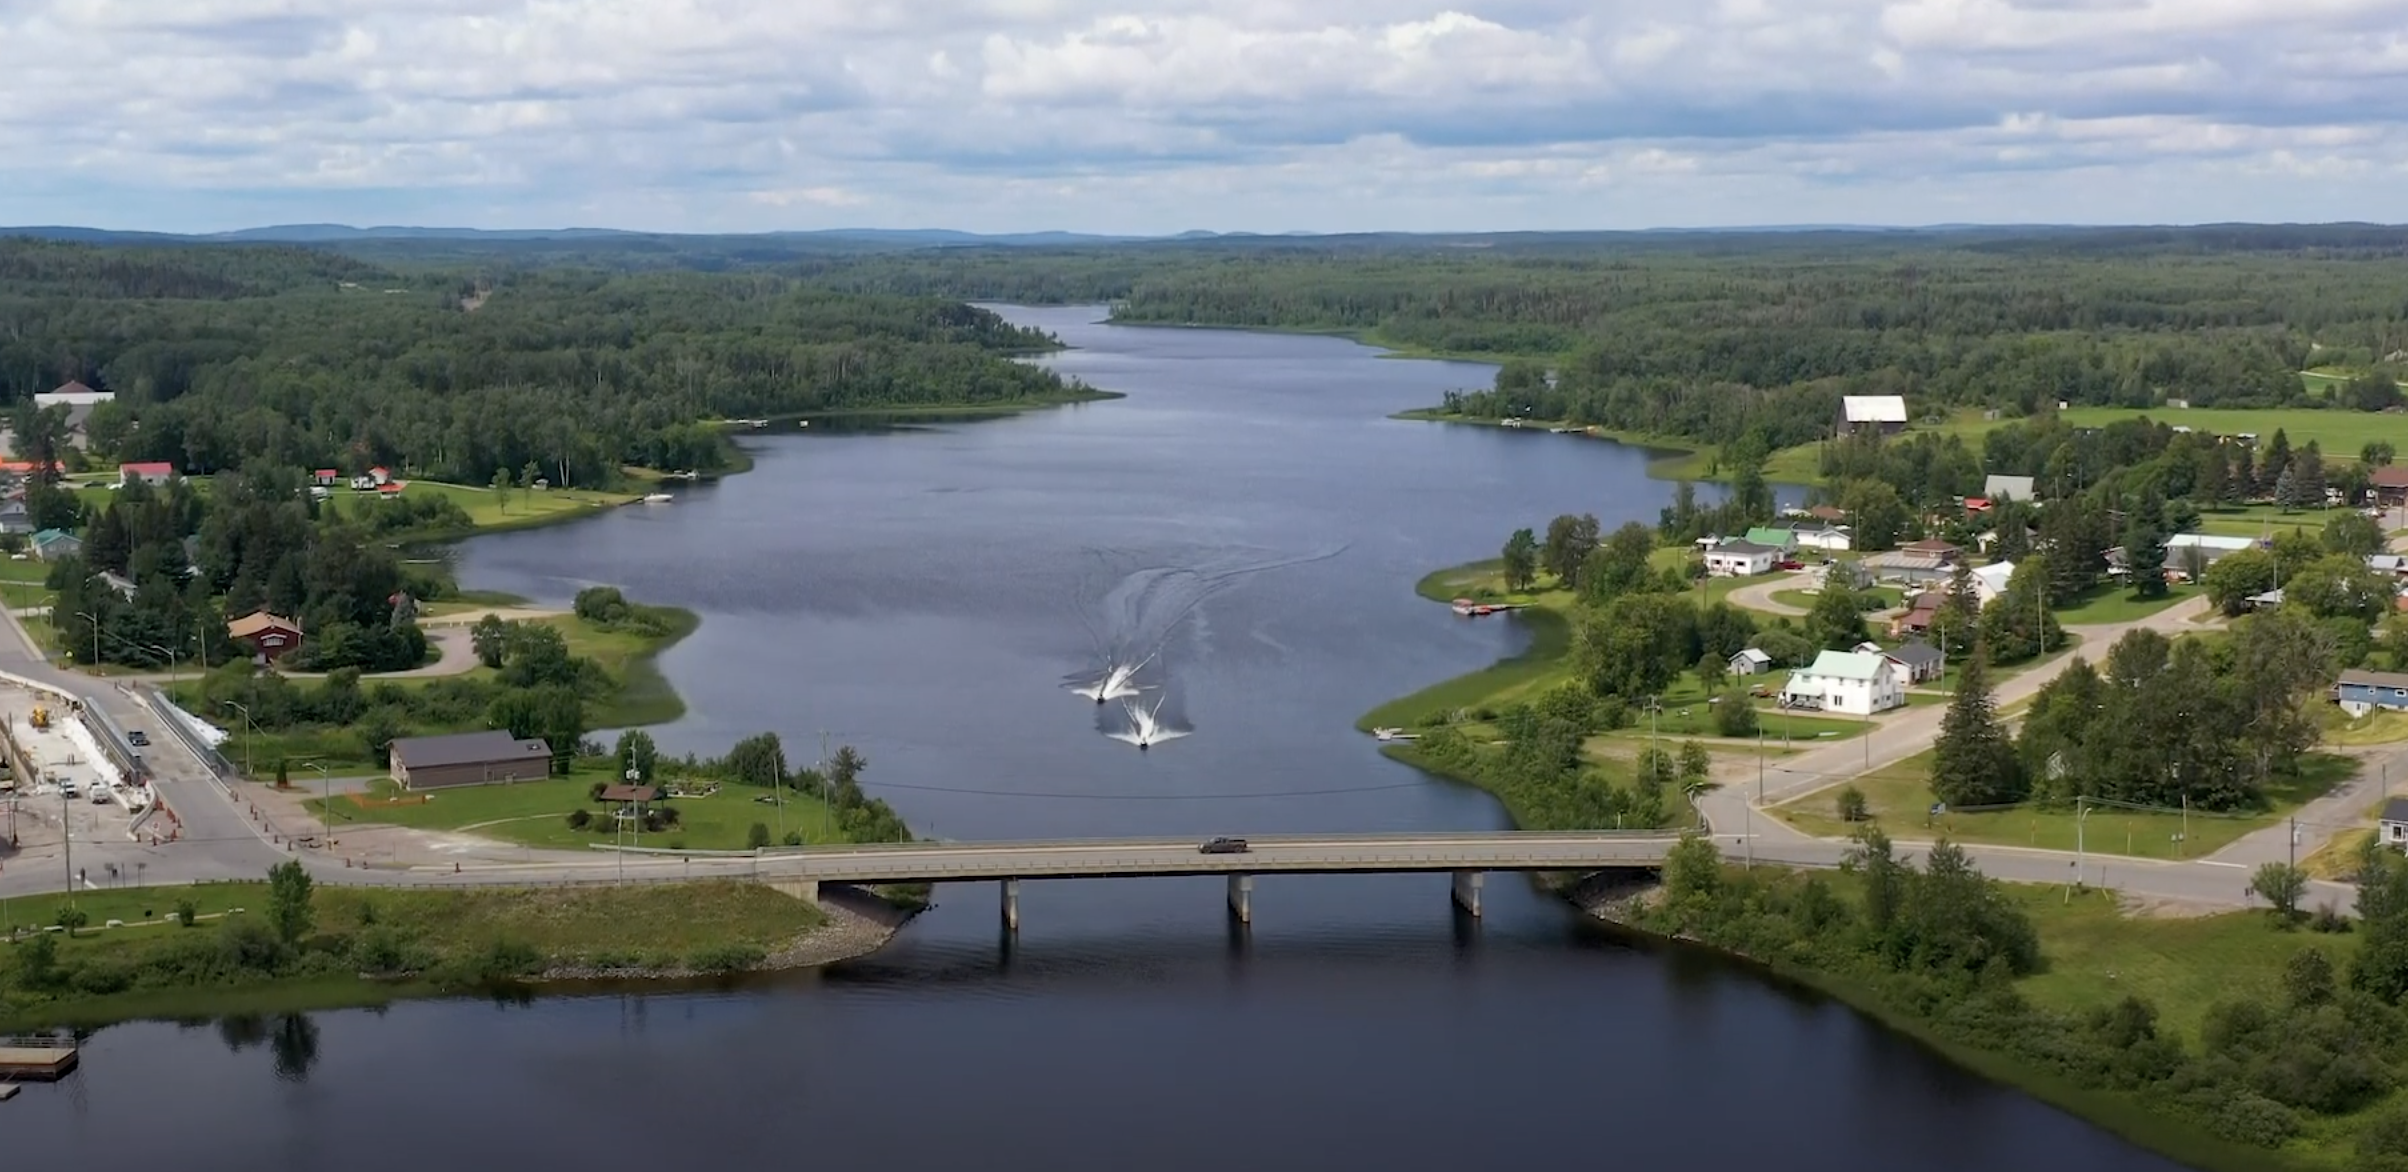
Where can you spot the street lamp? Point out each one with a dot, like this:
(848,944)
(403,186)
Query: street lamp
(170,653)
(87,617)
(248,726)
(325,798)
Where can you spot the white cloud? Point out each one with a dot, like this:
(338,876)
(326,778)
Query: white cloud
(1157,115)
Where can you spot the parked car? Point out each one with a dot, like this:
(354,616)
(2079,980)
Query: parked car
(1225,845)
(138,738)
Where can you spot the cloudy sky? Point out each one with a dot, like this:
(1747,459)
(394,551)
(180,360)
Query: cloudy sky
(1165,115)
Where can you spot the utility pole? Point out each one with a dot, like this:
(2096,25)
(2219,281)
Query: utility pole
(2294,860)
(1759,762)
(827,817)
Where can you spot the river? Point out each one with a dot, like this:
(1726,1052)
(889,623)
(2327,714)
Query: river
(1250,517)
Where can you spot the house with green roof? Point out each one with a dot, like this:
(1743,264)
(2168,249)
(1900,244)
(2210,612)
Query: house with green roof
(1858,683)
(1785,541)
(52,544)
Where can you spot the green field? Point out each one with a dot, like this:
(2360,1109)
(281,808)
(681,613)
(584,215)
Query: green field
(519,508)
(535,813)
(2115,604)
(1899,798)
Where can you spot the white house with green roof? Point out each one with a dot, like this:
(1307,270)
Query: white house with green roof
(1859,683)
(1785,541)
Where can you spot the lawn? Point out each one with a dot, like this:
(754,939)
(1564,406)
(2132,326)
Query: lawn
(519,508)
(1886,598)
(2115,604)
(2264,521)
(2096,955)
(2340,433)
(2380,727)
(535,813)
(1899,798)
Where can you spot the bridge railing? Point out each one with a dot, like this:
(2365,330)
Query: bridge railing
(1464,836)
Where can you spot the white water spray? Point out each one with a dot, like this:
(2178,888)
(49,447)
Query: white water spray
(1119,682)
(1145,726)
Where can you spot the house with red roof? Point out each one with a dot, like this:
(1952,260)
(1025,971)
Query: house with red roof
(148,472)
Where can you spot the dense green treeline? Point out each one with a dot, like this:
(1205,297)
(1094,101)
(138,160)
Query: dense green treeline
(221,356)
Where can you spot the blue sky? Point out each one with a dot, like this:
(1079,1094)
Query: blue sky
(1164,115)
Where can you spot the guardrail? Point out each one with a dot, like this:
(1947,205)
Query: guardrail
(172,719)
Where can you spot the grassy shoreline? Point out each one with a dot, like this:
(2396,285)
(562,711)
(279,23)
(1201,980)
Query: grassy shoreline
(371,946)
(2078,977)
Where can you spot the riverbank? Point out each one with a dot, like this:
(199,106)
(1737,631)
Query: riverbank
(372,946)
(2095,953)
(2061,1035)
(1670,457)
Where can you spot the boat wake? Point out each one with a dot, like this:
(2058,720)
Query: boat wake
(1146,727)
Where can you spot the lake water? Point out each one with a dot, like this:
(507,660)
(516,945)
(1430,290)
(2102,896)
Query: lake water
(1250,518)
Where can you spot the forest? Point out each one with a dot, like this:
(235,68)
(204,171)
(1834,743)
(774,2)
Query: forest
(302,358)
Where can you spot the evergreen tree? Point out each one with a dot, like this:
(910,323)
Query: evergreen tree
(1974,763)
(2286,491)
(2307,474)
(2145,547)
(1521,559)
(2241,483)
(2277,462)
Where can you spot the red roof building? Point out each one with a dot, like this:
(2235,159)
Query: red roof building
(270,636)
(149,472)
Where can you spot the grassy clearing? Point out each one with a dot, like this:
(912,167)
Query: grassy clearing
(1886,598)
(658,927)
(520,508)
(2380,727)
(535,813)
(2097,955)
(1899,798)
(2115,604)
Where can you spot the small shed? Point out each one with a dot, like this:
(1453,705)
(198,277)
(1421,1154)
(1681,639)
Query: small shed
(1751,662)
(2392,828)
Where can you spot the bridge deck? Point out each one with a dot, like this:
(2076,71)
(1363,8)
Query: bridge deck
(1281,854)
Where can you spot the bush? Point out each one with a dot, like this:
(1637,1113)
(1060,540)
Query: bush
(1735,714)
(580,819)
(501,961)
(756,837)
(381,951)
(187,912)
(1852,806)
(726,958)
(2253,1119)
(794,838)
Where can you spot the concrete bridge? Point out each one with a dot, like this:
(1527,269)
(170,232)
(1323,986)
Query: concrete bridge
(1467,856)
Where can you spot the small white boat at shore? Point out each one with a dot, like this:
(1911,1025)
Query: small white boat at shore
(657,498)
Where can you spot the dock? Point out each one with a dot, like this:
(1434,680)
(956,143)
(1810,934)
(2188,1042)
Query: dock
(36,1059)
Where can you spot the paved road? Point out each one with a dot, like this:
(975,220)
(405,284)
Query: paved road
(1758,596)
(1297,854)
(1735,808)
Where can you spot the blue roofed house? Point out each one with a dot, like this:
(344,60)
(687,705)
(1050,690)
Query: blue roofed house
(52,544)
(2361,692)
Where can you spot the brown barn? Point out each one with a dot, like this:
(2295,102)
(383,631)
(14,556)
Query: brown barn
(476,758)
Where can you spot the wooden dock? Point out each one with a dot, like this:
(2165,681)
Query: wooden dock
(36,1059)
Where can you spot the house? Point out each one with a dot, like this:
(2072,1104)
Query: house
(2390,484)
(1918,661)
(2193,552)
(1847,575)
(1910,568)
(52,544)
(477,758)
(1820,535)
(271,636)
(1990,581)
(1740,559)
(1933,547)
(1917,616)
(2361,692)
(1876,414)
(363,484)
(2392,828)
(1751,662)
(79,400)
(148,472)
(326,477)
(14,518)
(2393,564)
(2265,600)
(1782,541)
(379,475)
(1854,682)
(2008,488)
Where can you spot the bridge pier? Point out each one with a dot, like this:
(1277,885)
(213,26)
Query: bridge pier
(1011,905)
(1467,890)
(1241,898)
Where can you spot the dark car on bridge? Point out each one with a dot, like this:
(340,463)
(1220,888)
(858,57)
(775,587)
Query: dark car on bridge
(1225,845)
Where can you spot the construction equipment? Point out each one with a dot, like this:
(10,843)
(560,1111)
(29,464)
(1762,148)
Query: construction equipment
(41,716)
